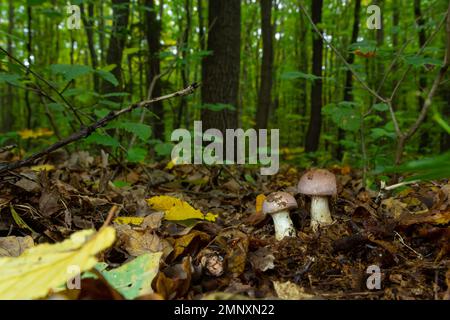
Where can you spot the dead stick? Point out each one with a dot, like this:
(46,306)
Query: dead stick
(87,131)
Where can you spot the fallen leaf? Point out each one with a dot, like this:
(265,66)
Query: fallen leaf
(134,279)
(18,220)
(176,209)
(44,267)
(291,291)
(437,218)
(14,246)
(43,167)
(262,259)
(138,242)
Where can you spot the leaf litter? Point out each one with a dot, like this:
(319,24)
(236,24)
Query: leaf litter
(197,232)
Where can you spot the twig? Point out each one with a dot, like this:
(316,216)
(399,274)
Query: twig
(397,86)
(112,212)
(348,65)
(28,69)
(8,148)
(87,131)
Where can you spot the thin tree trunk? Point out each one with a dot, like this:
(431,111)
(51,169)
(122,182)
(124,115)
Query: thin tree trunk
(8,107)
(315,122)
(154,45)
(182,108)
(348,90)
(89,29)
(29,52)
(265,88)
(121,10)
(422,38)
(220,71)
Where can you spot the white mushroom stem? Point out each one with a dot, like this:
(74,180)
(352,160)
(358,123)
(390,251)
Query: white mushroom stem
(320,212)
(283,225)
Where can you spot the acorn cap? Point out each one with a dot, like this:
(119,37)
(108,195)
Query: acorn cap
(318,182)
(278,201)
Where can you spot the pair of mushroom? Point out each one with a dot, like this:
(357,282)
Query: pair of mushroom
(319,184)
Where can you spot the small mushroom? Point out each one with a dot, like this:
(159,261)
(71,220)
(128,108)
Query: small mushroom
(319,184)
(278,204)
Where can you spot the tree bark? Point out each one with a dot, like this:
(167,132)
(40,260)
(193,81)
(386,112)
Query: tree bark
(315,122)
(220,70)
(348,90)
(8,107)
(422,38)
(182,108)
(154,46)
(89,29)
(117,41)
(265,87)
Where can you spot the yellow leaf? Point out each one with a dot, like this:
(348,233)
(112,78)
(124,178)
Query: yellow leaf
(129,220)
(44,267)
(259,202)
(177,210)
(32,134)
(43,167)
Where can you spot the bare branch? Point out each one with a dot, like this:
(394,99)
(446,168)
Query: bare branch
(87,131)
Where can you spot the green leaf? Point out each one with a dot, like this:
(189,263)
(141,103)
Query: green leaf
(136,155)
(364,46)
(163,149)
(377,133)
(419,61)
(70,71)
(291,75)
(12,79)
(142,131)
(381,107)
(134,278)
(438,118)
(343,115)
(107,76)
(103,140)
(425,169)
(129,51)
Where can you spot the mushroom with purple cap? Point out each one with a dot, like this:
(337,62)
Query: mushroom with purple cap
(278,204)
(319,184)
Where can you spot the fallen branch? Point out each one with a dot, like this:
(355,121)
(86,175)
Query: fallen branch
(87,131)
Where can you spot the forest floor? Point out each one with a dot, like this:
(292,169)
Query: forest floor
(404,232)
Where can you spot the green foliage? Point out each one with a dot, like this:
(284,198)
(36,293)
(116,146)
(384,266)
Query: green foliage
(136,154)
(425,169)
(291,75)
(344,115)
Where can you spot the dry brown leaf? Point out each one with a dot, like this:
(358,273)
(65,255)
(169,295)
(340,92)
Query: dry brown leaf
(262,259)
(14,246)
(291,291)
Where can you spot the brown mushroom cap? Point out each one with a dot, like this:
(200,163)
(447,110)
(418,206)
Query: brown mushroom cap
(278,201)
(318,182)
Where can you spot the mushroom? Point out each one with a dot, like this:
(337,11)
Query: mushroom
(278,204)
(319,184)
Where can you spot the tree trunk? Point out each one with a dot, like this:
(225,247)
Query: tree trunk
(201,25)
(121,10)
(348,90)
(315,122)
(265,87)
(182,108)
(89,29)
(220,70)
(154,47)
(29,53)
(422,38)
(8,107)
